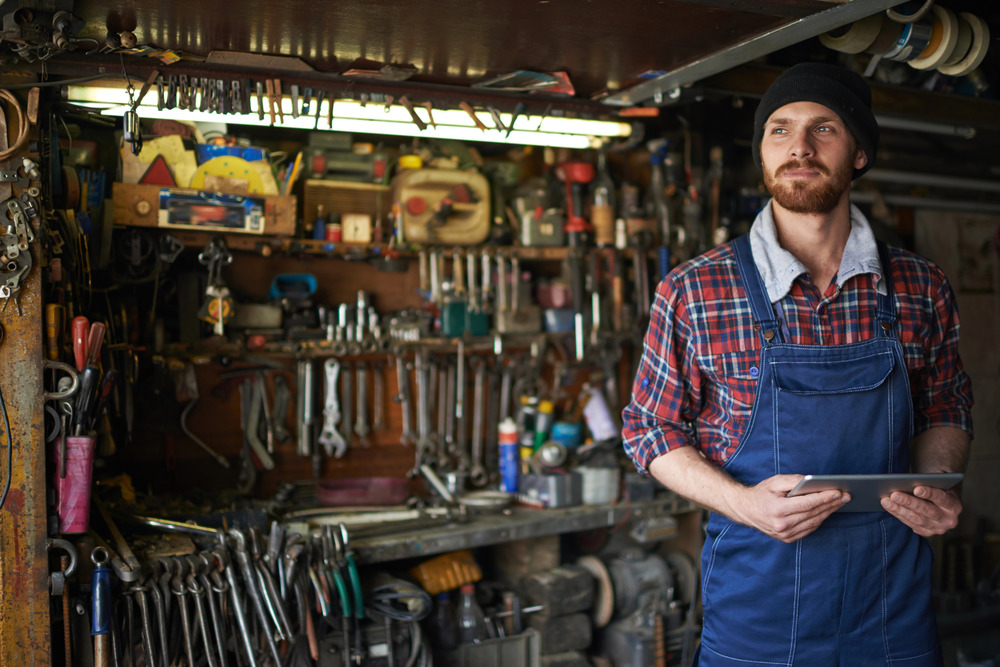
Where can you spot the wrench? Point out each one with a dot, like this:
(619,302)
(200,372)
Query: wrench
(331,439)
(478,471)
(243,558)
(224,564)
(378,405)
(361,427)
(347,401)
(403,398)
(461,425)
(443,416)
(279,413)
(425,444)
(197,591)
(304,372)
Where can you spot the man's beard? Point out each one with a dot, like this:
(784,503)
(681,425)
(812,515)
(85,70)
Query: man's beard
(808,196)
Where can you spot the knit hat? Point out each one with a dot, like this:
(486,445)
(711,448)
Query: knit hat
(839,89)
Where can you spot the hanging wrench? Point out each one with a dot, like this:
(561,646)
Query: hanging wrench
(443,416)
(461,429)
(361,427)
(347,400)
(478,470)
(378,404)
(304,385)
(425,444)
(331,439)
(403,398)
(279,412)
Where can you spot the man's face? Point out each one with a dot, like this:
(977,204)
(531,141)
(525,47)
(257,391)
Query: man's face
(809,157)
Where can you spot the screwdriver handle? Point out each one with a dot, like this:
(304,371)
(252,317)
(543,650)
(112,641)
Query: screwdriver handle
(80,331)
(94,341)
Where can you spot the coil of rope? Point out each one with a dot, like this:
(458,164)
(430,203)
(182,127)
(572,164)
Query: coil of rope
(22,125)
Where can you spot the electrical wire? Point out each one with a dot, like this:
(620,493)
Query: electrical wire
(407,603)
(10,451)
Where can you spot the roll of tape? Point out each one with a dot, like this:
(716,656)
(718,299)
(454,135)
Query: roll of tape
(943,40)
(912,41)
(856,38)
(977,50)
(964,42)
(886,38)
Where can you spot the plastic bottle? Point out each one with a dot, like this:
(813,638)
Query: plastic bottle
(471,620)
(602,208)
(443,628)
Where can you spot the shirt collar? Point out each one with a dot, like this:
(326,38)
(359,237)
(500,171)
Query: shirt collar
(779,268)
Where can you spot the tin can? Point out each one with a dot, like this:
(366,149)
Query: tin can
(510,464)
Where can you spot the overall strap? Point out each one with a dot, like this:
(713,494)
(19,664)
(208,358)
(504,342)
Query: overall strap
(764,317)
(886,309)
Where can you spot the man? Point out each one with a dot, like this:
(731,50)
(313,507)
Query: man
(806,347)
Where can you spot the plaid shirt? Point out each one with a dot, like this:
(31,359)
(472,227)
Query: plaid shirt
(698,372)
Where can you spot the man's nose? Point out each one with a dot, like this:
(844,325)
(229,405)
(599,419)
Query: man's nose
(801,145)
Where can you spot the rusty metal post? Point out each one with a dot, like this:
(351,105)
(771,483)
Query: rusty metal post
(25,629)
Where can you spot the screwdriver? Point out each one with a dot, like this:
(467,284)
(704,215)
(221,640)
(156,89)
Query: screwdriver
(80,331)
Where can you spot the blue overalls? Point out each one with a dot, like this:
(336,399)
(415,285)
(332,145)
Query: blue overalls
(856,591)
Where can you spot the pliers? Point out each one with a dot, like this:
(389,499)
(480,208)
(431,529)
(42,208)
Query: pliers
(344,571)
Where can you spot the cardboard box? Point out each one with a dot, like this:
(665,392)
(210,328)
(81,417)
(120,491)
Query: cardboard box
(138,205)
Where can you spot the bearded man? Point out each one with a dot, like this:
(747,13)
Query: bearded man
(807,347)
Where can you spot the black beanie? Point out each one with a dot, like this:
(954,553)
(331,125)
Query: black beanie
(839,89)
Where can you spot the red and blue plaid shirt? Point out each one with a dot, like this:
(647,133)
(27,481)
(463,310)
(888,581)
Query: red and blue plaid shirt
(698,372)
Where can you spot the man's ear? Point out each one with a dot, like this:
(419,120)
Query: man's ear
(861,159)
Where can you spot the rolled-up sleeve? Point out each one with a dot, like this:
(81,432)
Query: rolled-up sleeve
(659,415)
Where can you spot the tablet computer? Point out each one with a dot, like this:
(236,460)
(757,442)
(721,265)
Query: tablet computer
(867,491)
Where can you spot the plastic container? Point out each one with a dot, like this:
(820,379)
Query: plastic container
(73,490)
(510,466)
(469,617)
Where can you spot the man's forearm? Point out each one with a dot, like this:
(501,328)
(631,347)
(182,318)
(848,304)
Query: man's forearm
(940,449)
(689,474)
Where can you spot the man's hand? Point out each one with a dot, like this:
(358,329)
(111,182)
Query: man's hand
(928,511)
(768,508)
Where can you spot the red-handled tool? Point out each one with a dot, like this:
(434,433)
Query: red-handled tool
(80,331)
(94,341)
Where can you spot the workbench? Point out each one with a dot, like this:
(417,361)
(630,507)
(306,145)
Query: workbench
(482,529)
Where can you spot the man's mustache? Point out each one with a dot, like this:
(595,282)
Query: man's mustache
(801,164)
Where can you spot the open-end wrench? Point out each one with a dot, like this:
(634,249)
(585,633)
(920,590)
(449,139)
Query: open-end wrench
(224,563)
(443,416)
(425,444)
(361,427)
(138,590)
(279,413)
(196,591)
(461,422)
(449,426)
(304,382)
(243,558)
(477,471)
(347,400)
(403,398)
(378,403)
(330,438)
(179,589)
(205,578)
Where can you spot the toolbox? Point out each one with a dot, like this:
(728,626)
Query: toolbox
(138,205)
(443,206)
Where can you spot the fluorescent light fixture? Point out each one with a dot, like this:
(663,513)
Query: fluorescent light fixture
(375,118)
